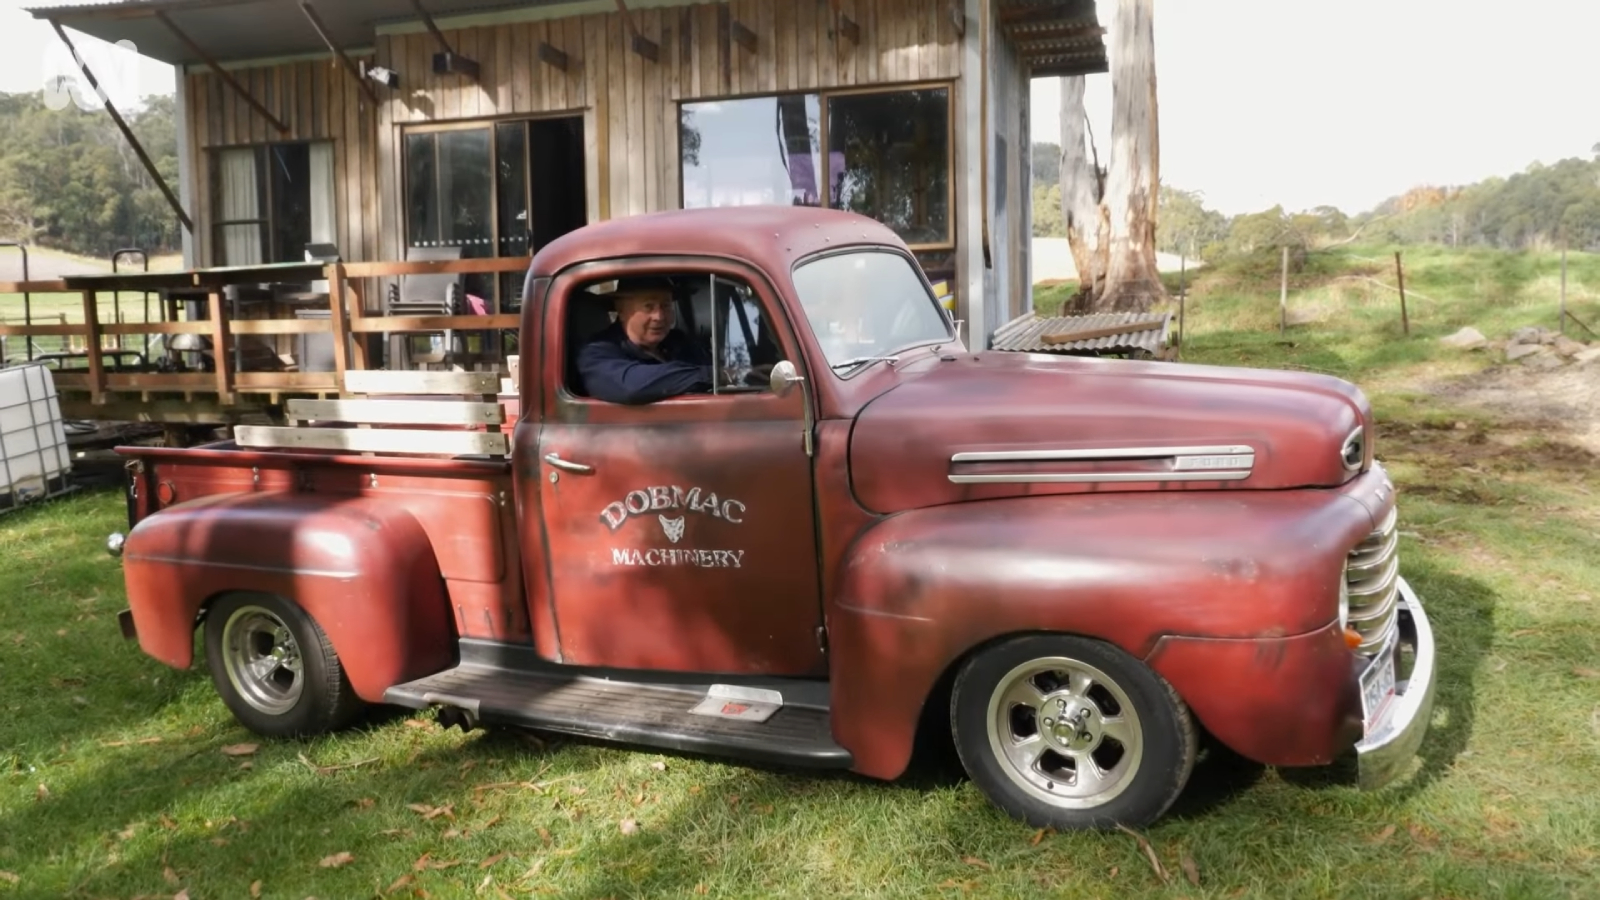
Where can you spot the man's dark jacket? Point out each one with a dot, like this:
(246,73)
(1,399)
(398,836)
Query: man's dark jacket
(617,370)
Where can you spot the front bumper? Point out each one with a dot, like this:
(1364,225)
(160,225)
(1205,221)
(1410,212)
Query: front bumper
(1385,753)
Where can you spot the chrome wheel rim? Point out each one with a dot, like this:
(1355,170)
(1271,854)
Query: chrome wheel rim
(262,660)
(1065,732)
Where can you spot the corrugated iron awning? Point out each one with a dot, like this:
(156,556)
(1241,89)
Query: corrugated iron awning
(1055,37)
(1141,333)
(233,30)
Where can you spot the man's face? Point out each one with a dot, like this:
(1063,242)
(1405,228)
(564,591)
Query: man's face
(646,316)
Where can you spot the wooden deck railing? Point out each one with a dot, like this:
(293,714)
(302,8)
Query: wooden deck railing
(359,280)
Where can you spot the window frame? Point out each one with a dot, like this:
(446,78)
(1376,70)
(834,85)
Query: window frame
(267,224)
(824,95)
(483,123)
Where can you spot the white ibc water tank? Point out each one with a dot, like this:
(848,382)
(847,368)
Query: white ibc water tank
(34,462)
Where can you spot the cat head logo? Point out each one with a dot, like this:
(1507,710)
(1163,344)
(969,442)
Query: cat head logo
(672,527)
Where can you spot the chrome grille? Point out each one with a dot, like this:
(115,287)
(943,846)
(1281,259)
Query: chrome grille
(1372,572)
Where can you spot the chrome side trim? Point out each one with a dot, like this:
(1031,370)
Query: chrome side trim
(1089,477)
(1217,463)
(1095,453)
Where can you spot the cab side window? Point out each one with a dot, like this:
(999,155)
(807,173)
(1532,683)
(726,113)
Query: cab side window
(640,340)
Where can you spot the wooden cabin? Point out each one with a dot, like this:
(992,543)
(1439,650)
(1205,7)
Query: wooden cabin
(405,130)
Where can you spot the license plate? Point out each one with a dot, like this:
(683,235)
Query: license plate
(1377,686)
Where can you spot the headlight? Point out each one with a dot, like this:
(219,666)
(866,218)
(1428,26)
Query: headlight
(1354,451)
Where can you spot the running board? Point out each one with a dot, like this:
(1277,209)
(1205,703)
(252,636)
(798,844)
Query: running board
(728,720)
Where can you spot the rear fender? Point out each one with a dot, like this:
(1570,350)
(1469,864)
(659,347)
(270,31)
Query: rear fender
(921,590)
(362,568)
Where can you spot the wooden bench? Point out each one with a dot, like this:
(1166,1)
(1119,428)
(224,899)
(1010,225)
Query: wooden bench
(379,398)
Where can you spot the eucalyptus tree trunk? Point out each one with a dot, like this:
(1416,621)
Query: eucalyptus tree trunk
(1132,282)
(1081,194)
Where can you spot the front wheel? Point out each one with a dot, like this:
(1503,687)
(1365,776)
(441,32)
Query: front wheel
(275,669)
(1067,732)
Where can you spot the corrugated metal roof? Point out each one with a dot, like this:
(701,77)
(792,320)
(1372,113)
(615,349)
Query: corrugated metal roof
(1026,333)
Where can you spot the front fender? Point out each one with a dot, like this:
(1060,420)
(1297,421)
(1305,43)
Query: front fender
(362,568)
(923,588)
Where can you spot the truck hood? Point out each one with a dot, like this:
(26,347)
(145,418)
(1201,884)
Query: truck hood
(991,424)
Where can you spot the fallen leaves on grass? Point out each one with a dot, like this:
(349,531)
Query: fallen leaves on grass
(1039,836)
(1190,870)
(629,826)
(148,740)
(426,862)
(240,749)
(492,860)
(43,793)
(433,812)
(397,884)
(255,888)
(1586,673)
(342,858)
(1382,836)
(974,861)
(1149,852)
(949,883)
(10,877)
(181,895)
(170,876)
(328,770)
(364,803)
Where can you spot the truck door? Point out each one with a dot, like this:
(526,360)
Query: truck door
(680,534)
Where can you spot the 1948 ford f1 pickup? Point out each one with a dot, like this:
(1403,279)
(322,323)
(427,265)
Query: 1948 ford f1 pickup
(1072,567)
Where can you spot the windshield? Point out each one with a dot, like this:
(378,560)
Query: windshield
(867,304)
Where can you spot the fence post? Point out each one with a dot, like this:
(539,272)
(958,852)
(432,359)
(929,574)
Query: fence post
(1400,276)
(1283,295)
(1561,325)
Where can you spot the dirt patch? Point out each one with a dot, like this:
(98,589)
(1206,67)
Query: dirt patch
(1562,405)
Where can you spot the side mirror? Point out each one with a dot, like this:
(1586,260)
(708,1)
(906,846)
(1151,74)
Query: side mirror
(784,378)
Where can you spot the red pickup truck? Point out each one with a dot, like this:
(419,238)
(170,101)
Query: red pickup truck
(1073,568)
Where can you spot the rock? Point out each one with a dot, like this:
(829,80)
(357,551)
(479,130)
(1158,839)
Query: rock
(1468,338)
(1527,335)
(1568,347)
(1587,356)
(1548,337)
(1517,351)
(1543,362)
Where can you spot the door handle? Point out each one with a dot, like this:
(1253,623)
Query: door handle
(567,465)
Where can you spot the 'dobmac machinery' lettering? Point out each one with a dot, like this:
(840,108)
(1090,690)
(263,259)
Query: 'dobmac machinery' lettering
(661,497)
(705,559)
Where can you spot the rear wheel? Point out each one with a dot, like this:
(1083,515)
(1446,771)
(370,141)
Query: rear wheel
(275,668)
(1068,732)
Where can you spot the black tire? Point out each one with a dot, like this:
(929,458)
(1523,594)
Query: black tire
(278,700)
(1141,762)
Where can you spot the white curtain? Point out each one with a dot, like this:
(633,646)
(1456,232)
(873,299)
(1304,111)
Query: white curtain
(241,244)
(322,193)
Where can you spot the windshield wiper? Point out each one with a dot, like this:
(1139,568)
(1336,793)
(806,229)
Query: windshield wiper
(862,360)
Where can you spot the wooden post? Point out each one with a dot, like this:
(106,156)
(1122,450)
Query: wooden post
(1183,291)
(358,309)
(220,345)
(1400,278)
(1283,295)
(1561,325)
(341,332)
(97,372)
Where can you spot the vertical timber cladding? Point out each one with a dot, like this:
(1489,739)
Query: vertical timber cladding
(318,100)
(629,103)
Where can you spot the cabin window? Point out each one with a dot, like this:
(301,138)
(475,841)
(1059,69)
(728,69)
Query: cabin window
(889,156)
(271,200)
(480,190)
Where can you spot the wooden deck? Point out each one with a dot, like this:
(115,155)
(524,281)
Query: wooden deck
(96,380)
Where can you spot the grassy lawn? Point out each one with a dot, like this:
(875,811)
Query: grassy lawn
(120,778)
